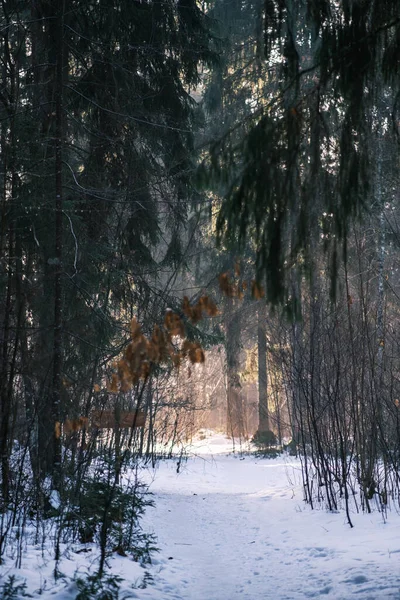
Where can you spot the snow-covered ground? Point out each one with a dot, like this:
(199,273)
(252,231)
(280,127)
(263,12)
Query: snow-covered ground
(236,528)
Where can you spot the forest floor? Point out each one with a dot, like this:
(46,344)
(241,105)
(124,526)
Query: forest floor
(235,527)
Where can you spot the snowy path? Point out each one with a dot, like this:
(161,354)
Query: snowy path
(232,529)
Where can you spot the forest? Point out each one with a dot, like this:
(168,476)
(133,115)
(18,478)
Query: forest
(199,240)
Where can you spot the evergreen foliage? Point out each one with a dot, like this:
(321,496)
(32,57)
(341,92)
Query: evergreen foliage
(127,126)
(95,587)
(97,126)
(309,142)
(12,590)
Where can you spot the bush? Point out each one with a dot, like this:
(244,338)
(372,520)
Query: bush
(11,590)
(264,439)
(94,587)
(120,508)
(265,442)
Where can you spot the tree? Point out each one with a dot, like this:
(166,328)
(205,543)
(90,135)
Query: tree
(233,91)
(263,413)
(97,100)
(328,58)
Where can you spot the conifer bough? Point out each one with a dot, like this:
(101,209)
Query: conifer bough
(302,168)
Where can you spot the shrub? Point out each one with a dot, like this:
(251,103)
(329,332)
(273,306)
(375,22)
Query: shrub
(265,442)
(264,439)
(11,590)
(94,587)
(103,503)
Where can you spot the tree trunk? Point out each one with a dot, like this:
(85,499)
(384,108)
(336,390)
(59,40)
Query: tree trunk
(235,415)
(263,414)
(7,353)
(57,51)
(4,399)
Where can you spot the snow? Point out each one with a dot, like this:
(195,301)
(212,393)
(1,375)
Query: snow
(235,527)
(55,499)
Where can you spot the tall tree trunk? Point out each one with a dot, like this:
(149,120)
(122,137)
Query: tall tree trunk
(7,352)
(379,416)
(235,414)
(57,44)
(263,414)
(5,374)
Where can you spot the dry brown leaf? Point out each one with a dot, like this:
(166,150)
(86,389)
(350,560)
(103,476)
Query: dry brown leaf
(57,429)
(186,307)
(112,386)
(135,328)
(257,291)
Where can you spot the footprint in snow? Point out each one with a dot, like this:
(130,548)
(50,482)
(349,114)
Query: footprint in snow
(356,579)
(322,592)
(325,590)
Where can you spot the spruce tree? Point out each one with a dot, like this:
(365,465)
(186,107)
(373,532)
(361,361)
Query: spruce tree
(333,61)
(98,101)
